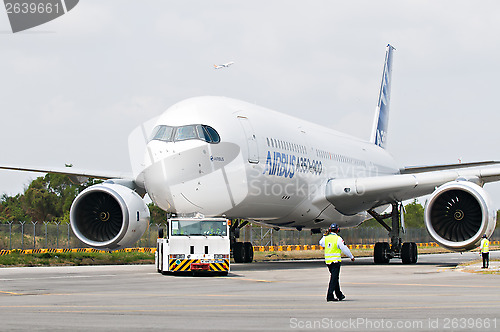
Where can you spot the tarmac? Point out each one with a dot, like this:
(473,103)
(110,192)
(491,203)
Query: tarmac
(432,295)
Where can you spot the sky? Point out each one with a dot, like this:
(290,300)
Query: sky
(73,89)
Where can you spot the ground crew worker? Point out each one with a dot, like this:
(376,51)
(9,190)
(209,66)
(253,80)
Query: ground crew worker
(485,251)
(334,245)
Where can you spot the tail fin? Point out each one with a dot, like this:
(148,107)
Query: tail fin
(379,131)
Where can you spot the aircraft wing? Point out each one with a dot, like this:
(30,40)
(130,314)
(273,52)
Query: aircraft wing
(104,175)
(353,195)
(419,169)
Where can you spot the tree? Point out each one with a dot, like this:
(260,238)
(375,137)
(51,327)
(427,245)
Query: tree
(39,202)
(158,216)
(414,215)
(46,198)
(11,208)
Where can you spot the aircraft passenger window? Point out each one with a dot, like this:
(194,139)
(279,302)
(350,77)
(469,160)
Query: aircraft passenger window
(267,139)
(185,132)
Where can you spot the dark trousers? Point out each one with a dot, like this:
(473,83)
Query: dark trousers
(334,285)
(486,259)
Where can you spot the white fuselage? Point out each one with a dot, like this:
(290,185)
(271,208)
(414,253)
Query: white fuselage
(268,166)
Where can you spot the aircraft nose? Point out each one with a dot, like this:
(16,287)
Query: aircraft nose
(199,179)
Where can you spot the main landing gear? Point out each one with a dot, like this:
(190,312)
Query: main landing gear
(242,251)
(384,251)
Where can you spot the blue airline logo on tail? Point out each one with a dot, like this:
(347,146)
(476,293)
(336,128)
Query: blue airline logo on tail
(382,114)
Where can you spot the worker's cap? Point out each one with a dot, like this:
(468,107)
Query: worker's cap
(334,228)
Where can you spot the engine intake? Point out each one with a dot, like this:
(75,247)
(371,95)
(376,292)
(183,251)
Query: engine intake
(458,214)
(109,216)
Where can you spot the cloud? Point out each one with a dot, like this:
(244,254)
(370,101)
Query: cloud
(109,65)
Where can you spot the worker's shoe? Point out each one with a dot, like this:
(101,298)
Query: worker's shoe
(331,299)
(341,297)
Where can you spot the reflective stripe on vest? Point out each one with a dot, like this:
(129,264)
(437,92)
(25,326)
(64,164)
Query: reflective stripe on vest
(486,245)
(332,252)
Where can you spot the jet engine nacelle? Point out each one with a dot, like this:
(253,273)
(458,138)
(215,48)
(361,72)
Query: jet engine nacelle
(458,214)
(109,216)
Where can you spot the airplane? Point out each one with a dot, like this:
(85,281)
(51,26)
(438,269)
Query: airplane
(224,65)
(220,157)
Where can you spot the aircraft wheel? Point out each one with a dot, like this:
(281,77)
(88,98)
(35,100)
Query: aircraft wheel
(239,252)
(409,253)
(414,252)
(248,248)
(380,253)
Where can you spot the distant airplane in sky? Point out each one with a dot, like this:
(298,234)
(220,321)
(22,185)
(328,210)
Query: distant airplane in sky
(224,65)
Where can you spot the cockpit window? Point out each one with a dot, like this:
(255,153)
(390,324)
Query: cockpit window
(162,133)
(213,134)
(183,133)
(202,133)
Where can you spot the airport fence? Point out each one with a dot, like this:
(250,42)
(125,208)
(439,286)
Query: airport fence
(55,235)
(260,236)
(263,236)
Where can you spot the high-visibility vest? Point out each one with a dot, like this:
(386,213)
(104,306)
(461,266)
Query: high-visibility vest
(332,252)
(485,245)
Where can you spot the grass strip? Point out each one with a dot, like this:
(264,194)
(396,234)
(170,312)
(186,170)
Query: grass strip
(15,258)
(75,258)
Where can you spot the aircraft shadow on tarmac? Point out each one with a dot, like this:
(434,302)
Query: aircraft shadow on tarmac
(317,263)
(309,264)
